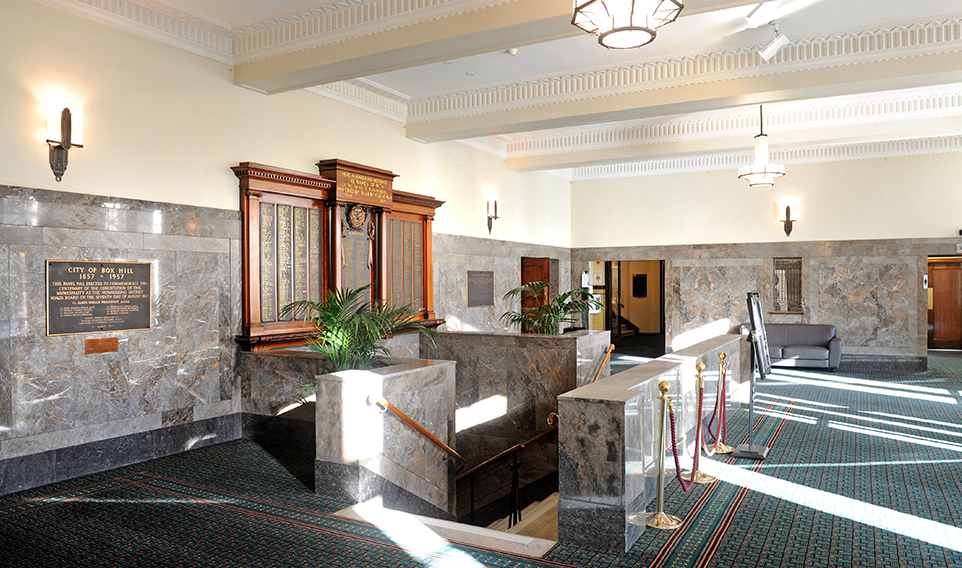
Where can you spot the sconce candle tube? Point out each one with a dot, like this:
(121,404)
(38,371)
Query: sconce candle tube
(62,135)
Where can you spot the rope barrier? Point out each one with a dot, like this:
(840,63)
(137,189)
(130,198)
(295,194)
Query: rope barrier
(721,411)
(685,485)
(695,476)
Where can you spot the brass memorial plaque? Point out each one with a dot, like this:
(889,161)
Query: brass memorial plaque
(89,297)
(359,188)
(480,288)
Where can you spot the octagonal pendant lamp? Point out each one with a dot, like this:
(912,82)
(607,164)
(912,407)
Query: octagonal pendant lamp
(624,24)
(762,173)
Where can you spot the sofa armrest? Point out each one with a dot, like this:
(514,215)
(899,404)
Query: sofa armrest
(834,352)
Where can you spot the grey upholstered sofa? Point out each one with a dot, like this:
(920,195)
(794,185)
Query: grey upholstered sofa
(803,345)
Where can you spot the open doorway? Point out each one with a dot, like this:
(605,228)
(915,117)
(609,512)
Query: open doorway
(633,295)
(945,303)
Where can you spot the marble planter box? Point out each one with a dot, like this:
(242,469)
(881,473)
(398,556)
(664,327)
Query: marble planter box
(608,440)
(364,454)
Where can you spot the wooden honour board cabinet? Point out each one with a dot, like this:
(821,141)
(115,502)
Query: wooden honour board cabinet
(306,234)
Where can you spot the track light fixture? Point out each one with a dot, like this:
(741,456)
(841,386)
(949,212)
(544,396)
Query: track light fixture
(776,45)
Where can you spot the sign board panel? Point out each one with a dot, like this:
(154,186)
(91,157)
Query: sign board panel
(90,297)
(759,337)
(480,288)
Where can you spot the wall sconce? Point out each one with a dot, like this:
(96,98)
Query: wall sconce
(64,131)
(787,221)
(491,217)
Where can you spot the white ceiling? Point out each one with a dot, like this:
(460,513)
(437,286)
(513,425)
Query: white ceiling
(858,73)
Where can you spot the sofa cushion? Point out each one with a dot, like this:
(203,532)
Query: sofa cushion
(804,352)
(774,351)
(799,333)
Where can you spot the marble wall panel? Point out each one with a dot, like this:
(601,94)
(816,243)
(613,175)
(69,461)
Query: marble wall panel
(708,294)
(454,255)
(6,408)
(869,302)
(273,380)
(888,329)
(56,396)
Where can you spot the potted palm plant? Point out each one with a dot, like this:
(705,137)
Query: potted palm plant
(543,315)
(349,328)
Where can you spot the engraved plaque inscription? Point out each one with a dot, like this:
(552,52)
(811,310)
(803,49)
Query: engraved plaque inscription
(480,288)
(300,254)
(285,258)
(89,297)
(268,263)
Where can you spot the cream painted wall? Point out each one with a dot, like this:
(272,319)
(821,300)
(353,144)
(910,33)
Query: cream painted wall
(910,197)
(166,125)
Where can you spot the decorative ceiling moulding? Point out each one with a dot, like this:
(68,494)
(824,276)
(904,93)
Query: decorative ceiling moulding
(157,22)
(740,121)
(315,27)
(803,155)
(490,144)
(368,96)
(873,45)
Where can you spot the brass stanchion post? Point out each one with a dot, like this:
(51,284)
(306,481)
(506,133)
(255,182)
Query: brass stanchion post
(660,519)
(720,404)
(696,475)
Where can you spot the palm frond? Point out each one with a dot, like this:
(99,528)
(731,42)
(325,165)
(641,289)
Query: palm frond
(547,315)
(349,328)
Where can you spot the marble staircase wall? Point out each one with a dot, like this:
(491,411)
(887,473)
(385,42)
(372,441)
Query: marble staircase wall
(530,371)
(362,453)
(870,289)
(54,396)
(608,440)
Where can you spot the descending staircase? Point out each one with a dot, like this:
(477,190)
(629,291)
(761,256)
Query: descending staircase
(538,520)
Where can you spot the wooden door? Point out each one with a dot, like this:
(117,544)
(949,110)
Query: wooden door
(945,309)
(534,269)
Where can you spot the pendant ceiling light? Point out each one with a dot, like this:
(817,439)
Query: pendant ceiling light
(624,24)
(762,173)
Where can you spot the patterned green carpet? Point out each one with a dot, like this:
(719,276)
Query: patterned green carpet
(864,470)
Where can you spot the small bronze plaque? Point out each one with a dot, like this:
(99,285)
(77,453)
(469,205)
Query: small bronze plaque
(480,288)
(105,345)
(89,297)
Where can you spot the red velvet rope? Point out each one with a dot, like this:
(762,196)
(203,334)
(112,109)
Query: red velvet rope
(720,408)
(686,486)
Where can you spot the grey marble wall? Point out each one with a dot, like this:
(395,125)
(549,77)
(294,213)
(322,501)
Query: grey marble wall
(608,440)
(54,396)
(454,255)
(871,289)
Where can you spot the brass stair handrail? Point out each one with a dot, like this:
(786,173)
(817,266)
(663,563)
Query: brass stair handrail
(611,347)
(383,404)
(552,421)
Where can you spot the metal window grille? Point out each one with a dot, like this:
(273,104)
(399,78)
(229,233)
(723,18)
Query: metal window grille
(788,285)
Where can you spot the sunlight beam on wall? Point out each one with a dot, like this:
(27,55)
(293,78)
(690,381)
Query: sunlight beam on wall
(703,333)
(480,412)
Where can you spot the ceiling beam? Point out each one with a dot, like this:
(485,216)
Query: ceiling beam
(724,143)
(482,30)
(854,78)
